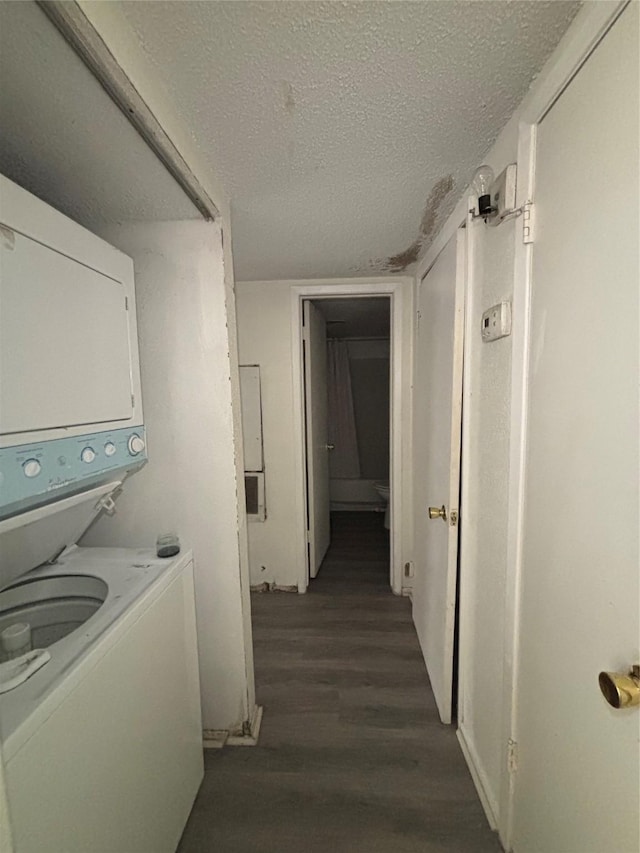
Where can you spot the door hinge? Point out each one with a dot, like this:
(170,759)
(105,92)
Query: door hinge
(512,756)
(308,537)
(527,222)
(453,518)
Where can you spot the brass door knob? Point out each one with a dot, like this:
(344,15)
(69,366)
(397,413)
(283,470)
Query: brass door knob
(621,690)
(438,512)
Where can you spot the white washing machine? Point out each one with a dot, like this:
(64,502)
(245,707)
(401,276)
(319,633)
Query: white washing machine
(102,744)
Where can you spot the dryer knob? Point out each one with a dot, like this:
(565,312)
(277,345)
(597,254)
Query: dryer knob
(88,454)
(109,448)
(136,444)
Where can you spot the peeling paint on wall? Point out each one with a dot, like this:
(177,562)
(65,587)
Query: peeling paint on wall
(428,227)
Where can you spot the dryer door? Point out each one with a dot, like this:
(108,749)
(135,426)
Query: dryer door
(64,341)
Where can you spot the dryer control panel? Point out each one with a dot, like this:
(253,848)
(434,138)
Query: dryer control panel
(35,474)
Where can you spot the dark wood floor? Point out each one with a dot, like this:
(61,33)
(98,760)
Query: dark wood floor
(352,757)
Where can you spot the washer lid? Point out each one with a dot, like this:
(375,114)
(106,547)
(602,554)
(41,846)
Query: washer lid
(31,538)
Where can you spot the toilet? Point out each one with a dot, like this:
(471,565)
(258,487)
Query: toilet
(383,490)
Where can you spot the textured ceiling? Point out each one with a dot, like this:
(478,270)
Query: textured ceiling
(356,318)
(343,132)
(63,139)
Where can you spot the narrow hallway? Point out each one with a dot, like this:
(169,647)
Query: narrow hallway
(352,757)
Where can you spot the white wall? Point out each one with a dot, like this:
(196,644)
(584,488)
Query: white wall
(191,483)
(264,333)
(264,338)
(121,39)
(484,504)
(485,487)
(128,50)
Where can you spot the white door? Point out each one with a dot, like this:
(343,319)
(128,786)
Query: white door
(437,432)
(315,383)
(577,785)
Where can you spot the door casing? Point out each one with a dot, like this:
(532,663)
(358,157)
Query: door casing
(398,290)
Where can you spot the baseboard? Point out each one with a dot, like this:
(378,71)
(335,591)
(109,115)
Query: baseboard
(479,780)
(248,736)
(214,738)
(272,587)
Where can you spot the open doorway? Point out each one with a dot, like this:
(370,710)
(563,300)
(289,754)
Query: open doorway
(399,299)
(347,407)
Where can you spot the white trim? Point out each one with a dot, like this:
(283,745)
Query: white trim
(360,288)
(489,805)
(251,736)
(521,305)
(465,561)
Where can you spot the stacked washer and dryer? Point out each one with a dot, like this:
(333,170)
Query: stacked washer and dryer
(100,727)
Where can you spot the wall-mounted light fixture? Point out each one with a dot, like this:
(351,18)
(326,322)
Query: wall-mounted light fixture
(496,196)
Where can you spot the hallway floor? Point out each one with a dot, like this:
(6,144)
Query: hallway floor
(352,757)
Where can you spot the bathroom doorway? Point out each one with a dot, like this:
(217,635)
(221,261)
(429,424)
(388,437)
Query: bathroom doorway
(350,384)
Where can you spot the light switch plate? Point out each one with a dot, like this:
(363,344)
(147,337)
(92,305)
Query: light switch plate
(496,322)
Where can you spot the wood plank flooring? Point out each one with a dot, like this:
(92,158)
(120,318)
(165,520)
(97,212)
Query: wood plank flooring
(352,757)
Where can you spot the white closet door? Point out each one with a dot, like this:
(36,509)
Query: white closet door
(437,436)
(577,785)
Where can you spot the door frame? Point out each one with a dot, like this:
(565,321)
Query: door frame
(399,290)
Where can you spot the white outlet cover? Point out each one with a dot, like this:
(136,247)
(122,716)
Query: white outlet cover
(496,322)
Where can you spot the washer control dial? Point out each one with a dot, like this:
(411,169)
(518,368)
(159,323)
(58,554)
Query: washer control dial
(88,454)
(136,444)
(31,468)
(109,449)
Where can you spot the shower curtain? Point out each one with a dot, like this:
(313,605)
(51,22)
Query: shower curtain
(343,460)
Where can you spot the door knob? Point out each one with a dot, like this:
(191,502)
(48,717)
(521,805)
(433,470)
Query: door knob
(621,690)
(438,512)
(330,446)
